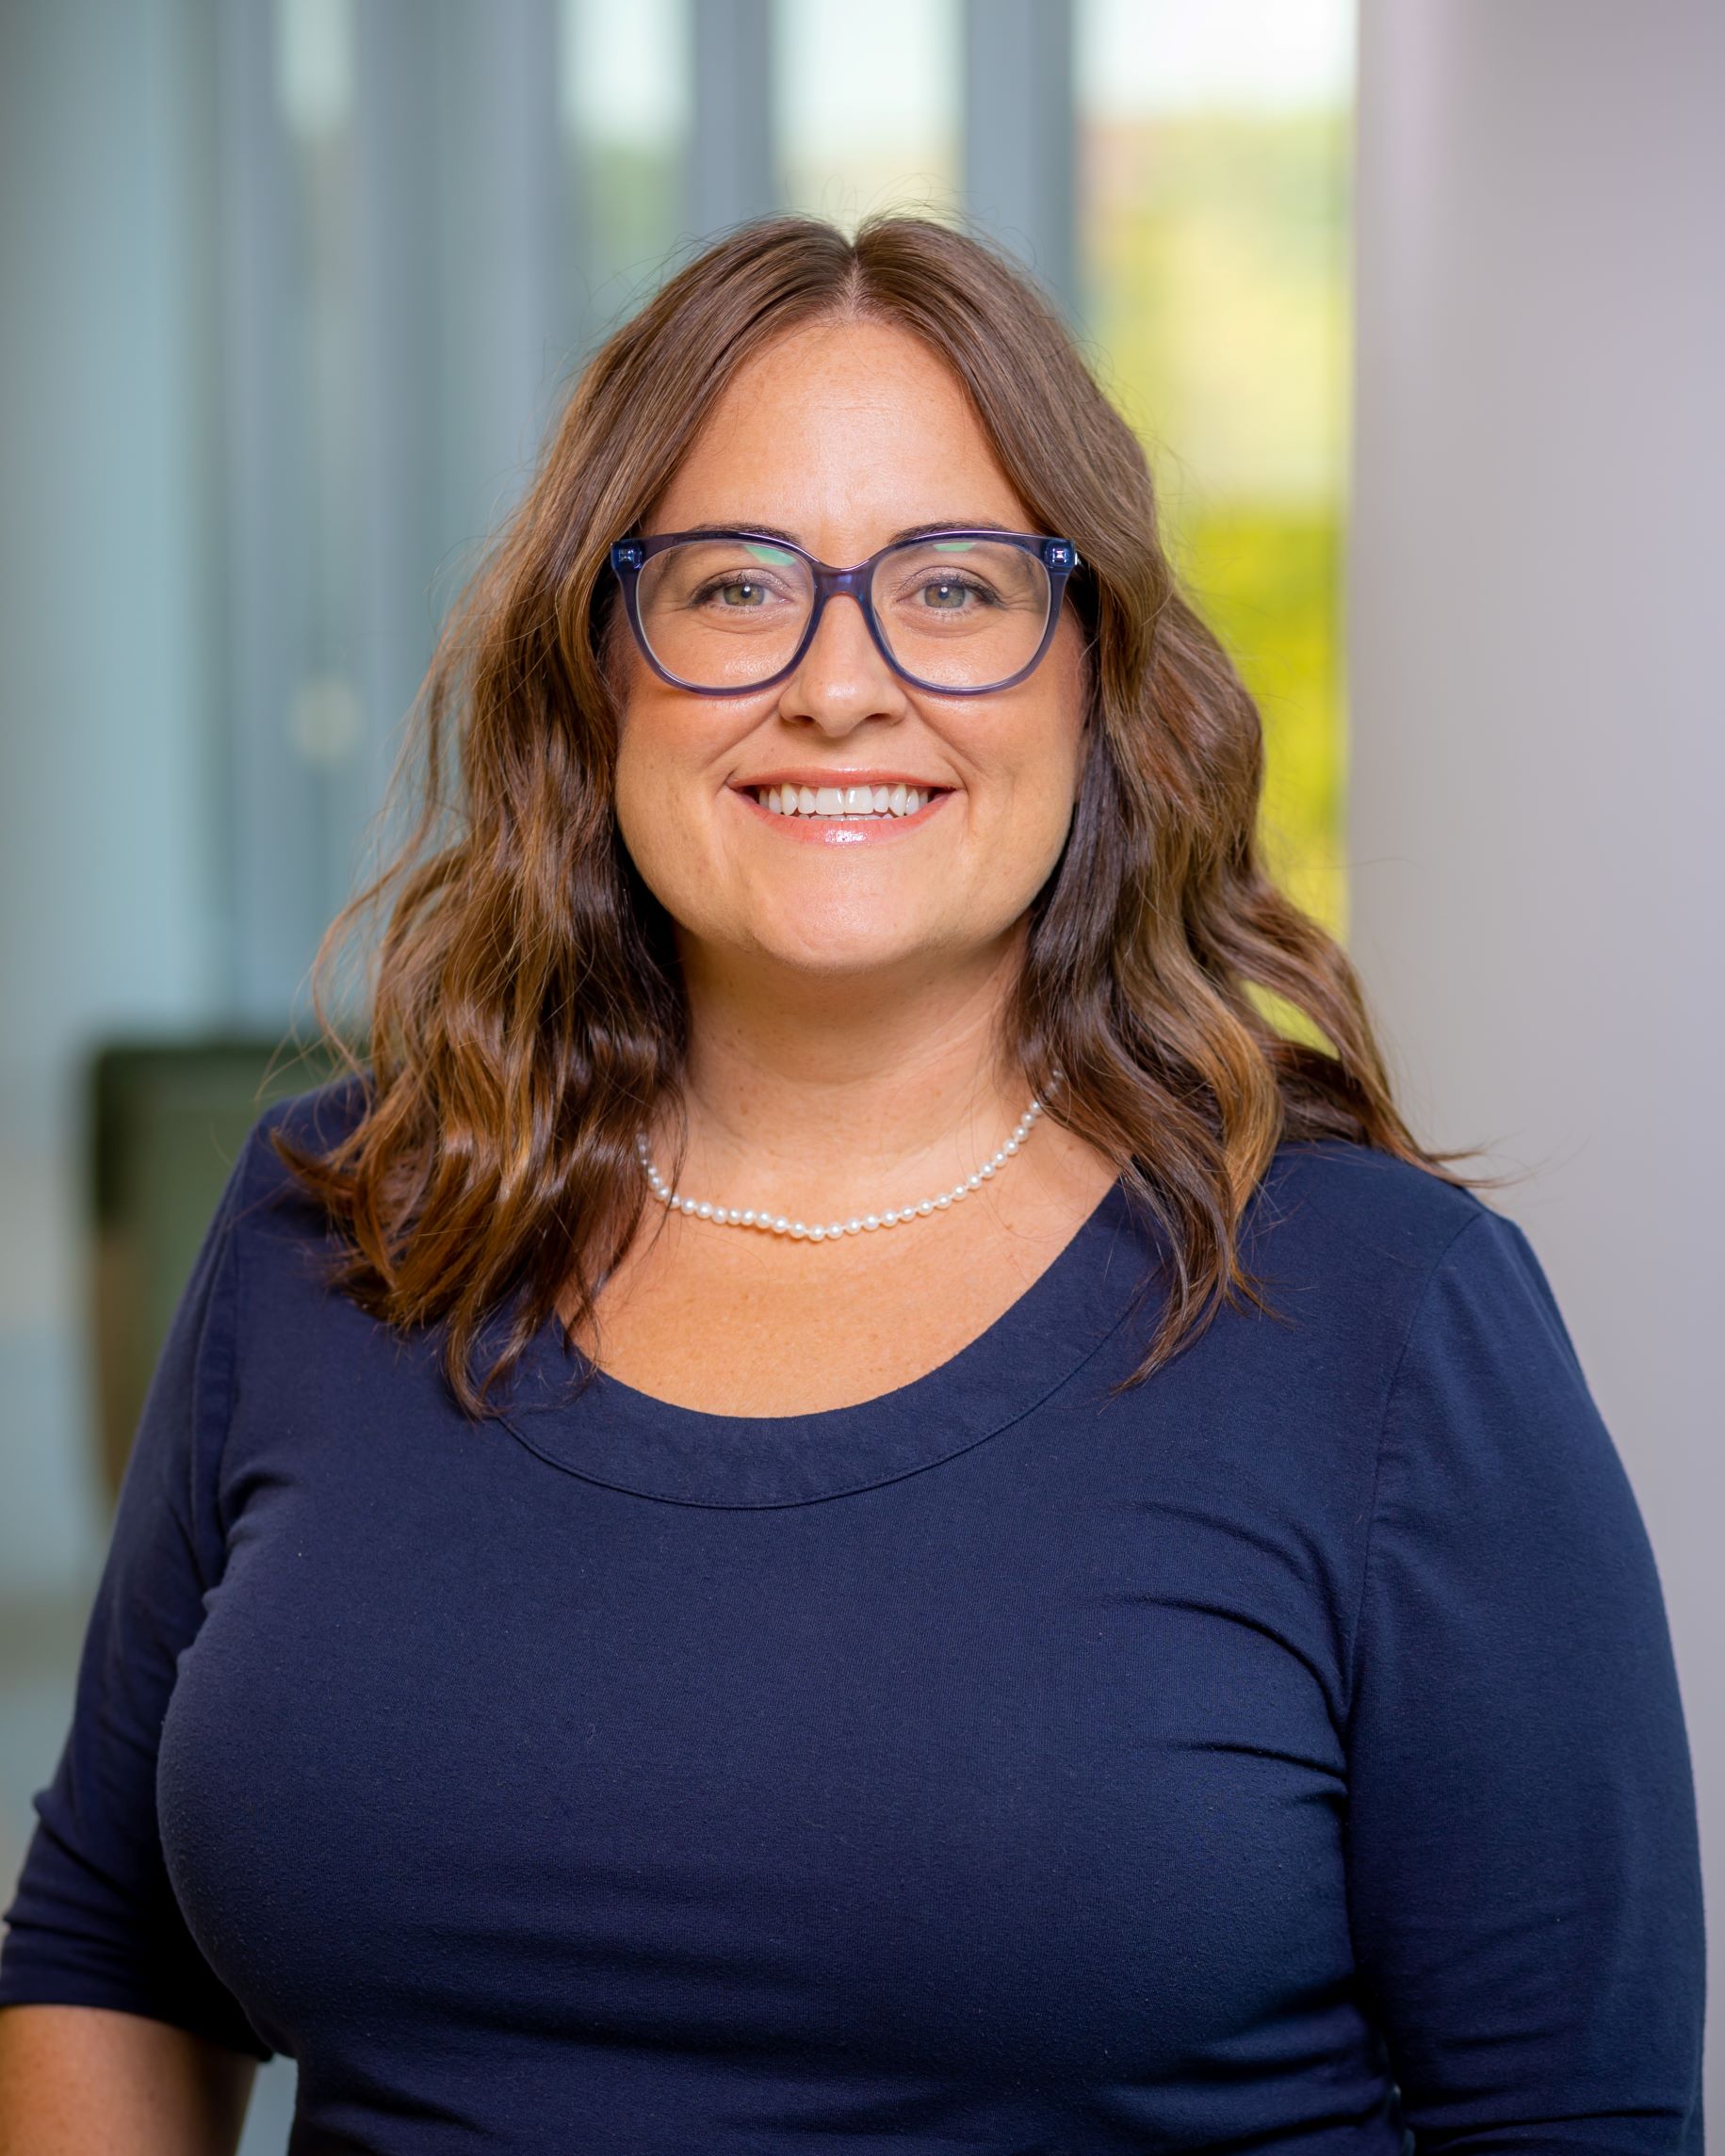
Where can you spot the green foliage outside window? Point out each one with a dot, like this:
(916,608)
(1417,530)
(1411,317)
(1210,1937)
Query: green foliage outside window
(1216,261)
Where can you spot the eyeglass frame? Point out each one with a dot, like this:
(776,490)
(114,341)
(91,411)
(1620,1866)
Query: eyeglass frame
(1058,557)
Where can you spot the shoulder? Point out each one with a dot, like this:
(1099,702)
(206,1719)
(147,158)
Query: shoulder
(1330,1204)
(1451,1281)
(1352,1245)
(322,1115)
(285,1248)
(264,1186)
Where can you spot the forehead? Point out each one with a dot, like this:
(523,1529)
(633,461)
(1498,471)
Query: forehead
(838,432)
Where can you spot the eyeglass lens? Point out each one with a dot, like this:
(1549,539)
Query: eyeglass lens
(962,613)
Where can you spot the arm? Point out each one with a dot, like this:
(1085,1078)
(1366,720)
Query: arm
(83,2081)
(110,2016)
(1523,1862)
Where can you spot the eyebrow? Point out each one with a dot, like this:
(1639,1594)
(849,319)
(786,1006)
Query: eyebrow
(910,531)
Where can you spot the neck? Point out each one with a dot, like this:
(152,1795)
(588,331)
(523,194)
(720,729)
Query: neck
(855,1090)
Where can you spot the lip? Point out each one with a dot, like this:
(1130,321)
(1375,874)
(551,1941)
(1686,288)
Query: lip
(827,775)
(839,830)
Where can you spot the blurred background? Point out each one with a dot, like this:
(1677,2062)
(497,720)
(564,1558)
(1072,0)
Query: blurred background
(1419,310)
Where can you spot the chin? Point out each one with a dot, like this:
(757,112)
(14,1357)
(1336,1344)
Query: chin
(813,940)
(834,957)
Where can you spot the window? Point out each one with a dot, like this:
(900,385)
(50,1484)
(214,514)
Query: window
(1214,175)
(624,98)
(867,106)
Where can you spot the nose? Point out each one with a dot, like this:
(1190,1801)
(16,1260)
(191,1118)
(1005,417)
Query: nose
(841,679)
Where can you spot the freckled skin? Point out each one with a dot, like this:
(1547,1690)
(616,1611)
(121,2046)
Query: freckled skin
(843,435)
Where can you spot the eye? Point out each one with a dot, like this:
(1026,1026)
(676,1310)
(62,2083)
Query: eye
(735,594)
(950,595)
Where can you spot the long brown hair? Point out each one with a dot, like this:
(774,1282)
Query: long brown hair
(525,1012)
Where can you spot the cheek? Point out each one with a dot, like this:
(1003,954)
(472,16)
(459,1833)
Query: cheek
(1046,780)
(664,803)
(1046,798)
(1047,766)
(647,795)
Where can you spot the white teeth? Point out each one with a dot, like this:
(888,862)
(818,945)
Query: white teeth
(844,801)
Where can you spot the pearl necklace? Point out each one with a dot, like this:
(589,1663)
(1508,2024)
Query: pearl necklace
(730,1216)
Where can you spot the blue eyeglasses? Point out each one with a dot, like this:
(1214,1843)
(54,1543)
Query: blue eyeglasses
(960,612)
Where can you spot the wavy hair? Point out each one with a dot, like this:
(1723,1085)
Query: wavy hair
(524,1003)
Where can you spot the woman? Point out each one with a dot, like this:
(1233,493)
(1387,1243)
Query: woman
(844,1496)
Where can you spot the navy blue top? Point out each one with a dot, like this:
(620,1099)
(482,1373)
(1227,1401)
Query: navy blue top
(1287,1753)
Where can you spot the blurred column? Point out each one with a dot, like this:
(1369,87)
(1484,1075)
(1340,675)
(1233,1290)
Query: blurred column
(468,312)
(1538,554)
(731,171)
(1019,133)
(109,884)
(400,304)
(289,709)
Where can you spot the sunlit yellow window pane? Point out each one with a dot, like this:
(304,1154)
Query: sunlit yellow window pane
(1214,141)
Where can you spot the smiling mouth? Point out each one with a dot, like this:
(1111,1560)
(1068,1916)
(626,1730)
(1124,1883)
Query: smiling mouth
(855,803)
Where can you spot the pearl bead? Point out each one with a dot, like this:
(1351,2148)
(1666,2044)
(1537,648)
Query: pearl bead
(730,1216)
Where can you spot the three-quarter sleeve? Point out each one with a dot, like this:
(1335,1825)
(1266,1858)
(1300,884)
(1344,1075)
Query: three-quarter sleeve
(1523,1862)
(94,1920)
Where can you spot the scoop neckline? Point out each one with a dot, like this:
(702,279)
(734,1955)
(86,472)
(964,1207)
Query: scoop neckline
(612,1433)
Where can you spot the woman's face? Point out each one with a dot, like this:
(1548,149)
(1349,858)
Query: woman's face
(843,436)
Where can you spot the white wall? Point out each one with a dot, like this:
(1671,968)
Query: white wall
(1537,821)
